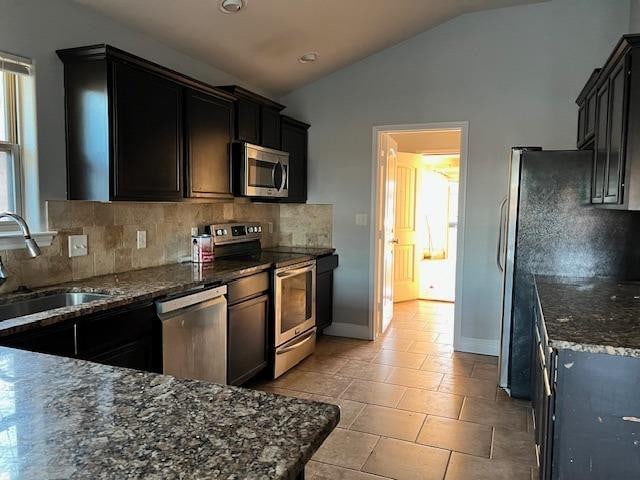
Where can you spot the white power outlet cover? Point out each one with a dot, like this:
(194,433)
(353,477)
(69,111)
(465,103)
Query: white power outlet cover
(141,237)
(361,219)
(270,227)
(78,246)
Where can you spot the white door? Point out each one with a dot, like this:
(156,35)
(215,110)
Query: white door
(388,160)
(408,252)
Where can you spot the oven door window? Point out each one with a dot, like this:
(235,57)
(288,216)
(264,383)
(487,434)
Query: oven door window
(296,306)
(260,173)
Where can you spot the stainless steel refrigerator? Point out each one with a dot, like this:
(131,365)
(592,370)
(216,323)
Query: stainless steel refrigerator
(549,227)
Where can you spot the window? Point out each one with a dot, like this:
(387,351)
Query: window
(11,183)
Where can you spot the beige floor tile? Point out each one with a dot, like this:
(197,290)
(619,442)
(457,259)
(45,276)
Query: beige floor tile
(375,393)
(389,422)
(485,371)
(412,334)
(408,324)
(431,348)
(365,371)
(322,364)
(465,437)
(395,343)
(400,359)
(501,395)
(445,338)
(365,352)
(323,471)
(498,414)
(436,327)
(414,378)
(349,410)
(469,387)
(452,366)
(407,461)
(467,467)
(346,448)
(472,357)
(514,446)
(312,382)
(433,403)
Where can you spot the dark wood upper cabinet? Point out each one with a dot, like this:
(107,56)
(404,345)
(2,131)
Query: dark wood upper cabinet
(147,141)
(270,127)
(294,140)
(208,137)
(611,104)
(137,131)
(257,118)
(587,112)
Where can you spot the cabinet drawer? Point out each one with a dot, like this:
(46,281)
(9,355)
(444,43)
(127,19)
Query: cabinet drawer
(324,264)
(247,287)
(103,332)
(55,340)
(247,339)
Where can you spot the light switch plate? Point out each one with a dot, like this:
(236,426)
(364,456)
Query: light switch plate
(78,246)
(141,237)
(361,219)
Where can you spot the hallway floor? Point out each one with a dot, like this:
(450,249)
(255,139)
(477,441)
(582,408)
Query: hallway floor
(411,408)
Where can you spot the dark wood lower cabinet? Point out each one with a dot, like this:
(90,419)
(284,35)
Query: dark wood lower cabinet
(122,338)
(247,327)
(324,290)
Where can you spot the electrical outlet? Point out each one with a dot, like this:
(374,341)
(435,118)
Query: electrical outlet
(194,231)
(270,227)
(78,246)
(361,219)
(141,237)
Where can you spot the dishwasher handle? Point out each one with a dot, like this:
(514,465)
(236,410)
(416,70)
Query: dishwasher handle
(189,300)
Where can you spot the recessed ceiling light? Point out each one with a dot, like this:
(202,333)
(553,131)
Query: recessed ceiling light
(308,57)
(231,6)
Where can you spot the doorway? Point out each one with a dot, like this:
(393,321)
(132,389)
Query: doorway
(417,232)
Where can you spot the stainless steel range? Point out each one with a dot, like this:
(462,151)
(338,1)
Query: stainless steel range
(293,331)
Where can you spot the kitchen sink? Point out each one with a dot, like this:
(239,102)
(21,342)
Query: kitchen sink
(47,302)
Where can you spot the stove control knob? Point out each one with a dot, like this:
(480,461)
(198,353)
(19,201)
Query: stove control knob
(259,229)
(218,232)
(250,229)
(225,231)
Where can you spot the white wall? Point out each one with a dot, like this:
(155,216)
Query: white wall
(512,73)
(36,29)
(634,16)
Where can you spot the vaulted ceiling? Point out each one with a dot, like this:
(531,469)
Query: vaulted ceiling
(262,43)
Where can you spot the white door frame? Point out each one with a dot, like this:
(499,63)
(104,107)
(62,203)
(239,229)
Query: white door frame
(374,265)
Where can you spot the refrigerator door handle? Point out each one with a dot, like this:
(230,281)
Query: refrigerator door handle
(500,231)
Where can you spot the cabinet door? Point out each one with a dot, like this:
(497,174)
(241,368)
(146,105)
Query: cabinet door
(247,121)
(208,134)
(247,339)
(590,115)
(137,355)
(601,147)
(147,138)
(295,141)
(55,340)
(617,122)
(581,123)
(270,128)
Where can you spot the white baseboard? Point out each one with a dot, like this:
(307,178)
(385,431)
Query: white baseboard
(348,330)
(477,345)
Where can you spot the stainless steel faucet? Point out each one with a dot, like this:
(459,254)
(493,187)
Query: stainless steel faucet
(31,245)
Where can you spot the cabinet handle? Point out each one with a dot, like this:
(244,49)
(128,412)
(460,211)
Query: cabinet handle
(547,387)
(75,339)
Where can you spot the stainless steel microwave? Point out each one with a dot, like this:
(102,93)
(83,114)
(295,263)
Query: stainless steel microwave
(260,171)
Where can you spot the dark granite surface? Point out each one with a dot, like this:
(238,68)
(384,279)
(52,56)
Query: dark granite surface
(311,251)
(72,419)
(131,287)
(597,315)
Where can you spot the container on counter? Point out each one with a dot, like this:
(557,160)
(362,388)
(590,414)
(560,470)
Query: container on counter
(201,249)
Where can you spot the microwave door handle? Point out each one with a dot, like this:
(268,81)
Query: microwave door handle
(273,175)
(285,173)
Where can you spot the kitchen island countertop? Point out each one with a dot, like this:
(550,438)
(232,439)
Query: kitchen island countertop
(66,418)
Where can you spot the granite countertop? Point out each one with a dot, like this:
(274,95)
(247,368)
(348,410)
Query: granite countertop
(597,315)
(130,287)
(65,418)
(311,251)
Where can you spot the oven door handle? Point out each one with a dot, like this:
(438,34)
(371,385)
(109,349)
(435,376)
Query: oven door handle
(307,338)
(297,271)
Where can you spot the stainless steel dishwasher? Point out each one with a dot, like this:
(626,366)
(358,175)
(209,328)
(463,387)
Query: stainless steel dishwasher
(194,335)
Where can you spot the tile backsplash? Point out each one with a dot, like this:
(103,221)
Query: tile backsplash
(111,233)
